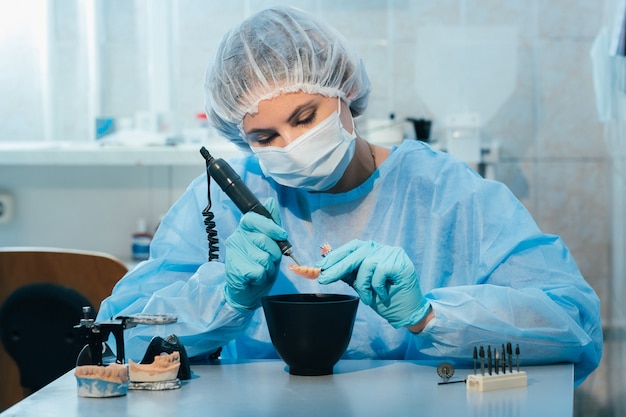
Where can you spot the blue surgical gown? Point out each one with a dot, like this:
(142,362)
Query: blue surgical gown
(490,274)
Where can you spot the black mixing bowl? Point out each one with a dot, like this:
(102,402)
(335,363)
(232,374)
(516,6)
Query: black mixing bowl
(310,331)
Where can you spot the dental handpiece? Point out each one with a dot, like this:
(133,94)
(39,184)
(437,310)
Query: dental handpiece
(234,187)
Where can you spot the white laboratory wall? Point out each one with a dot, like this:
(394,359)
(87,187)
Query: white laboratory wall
(553,149)
(95,208)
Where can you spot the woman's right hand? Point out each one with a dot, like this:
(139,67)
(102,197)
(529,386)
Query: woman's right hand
(253,258)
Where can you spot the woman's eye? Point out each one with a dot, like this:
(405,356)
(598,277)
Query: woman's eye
(307,120)
(261,139)
(264,142)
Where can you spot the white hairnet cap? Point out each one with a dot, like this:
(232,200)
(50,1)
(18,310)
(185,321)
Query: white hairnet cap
(280,50)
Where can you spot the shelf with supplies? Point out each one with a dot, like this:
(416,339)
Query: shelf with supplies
(58,153)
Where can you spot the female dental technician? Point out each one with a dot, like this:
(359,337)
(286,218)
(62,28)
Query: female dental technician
(444,260)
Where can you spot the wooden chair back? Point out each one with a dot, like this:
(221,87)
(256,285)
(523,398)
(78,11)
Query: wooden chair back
(93,274)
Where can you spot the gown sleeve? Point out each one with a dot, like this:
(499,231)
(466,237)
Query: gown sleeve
(497,278)
(178,279)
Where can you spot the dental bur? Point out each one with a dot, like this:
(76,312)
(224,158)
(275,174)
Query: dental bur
(481,353)
(496,360)
(509,352)
(475,358)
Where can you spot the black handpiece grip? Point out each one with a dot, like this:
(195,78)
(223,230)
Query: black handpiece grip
(231,183)
(234,187)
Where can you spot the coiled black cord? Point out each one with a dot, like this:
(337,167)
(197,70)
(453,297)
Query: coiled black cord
(211,233)
(209,223)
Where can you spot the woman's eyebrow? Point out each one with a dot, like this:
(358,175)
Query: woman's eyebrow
(292,117)
(260,130)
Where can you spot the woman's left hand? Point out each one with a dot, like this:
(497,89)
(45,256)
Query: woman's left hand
(385,280)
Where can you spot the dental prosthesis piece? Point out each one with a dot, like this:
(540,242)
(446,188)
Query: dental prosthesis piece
(102,381)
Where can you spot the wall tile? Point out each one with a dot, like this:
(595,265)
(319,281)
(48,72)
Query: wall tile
(377,65)
(567,124)
(497,12)
(407,102)
(569,19)
(202,21)
(360,21)
(409,15)
(572,200)
(514,125)
(311,6)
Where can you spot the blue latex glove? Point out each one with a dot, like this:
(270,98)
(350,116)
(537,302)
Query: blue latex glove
(385,280)
(252,258)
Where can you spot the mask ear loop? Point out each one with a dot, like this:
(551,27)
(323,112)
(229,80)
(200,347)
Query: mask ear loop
(351,118)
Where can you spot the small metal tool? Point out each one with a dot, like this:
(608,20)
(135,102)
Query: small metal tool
(445,370)
(517,356)
(489,359)
(497,360)
(503,355)
(475,358)
(481,353)
(509,351)
(451,382)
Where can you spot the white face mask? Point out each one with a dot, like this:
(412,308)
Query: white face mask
(315,161)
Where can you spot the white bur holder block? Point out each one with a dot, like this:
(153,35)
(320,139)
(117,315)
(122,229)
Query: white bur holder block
(496,381)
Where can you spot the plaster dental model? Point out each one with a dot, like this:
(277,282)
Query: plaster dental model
(164,368)
(170,344)
(102,381)
(160,374)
